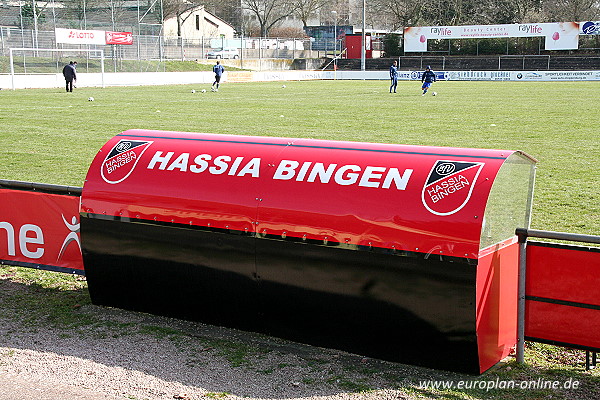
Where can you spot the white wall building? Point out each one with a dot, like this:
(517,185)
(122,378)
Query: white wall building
(197,24)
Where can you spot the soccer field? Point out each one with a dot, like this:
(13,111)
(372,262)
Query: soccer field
(50,136)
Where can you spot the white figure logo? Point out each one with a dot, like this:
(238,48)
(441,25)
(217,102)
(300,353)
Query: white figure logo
(71,237)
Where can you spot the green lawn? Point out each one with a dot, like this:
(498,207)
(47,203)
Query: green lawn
(51,137)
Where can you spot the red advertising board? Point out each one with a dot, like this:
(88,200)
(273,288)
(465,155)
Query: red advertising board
(563,295)
(40,230)
(119,37)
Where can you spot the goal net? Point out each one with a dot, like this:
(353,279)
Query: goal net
(31,61)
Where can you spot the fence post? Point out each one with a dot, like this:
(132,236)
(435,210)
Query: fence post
(522,235)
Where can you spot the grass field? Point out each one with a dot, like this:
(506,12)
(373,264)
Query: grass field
(50,136)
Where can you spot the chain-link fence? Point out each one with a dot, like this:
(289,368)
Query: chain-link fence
(148,52)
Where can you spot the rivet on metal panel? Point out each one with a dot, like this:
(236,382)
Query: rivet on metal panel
(190,222)
(284,234)
(155,218)
(476,217)
(208,224)
(137,216)
(304,237)
(416,248)
(325,240)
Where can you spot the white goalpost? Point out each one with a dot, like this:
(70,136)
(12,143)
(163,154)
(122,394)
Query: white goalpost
(51,61)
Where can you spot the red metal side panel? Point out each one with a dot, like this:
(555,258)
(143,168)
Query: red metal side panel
(563,294)
(562,324)
(40,230)
(497,282)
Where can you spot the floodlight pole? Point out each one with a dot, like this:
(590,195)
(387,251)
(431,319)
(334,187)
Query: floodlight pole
(363,58)
(102,66)
(334,43)
(35,23)
(12,68)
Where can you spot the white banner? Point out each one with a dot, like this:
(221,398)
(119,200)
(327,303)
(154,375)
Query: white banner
(515,76)
(78,36)
(559,35)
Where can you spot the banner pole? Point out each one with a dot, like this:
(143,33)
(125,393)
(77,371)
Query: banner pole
(522,234)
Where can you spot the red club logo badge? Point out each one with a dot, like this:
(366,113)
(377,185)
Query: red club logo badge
(449,186)
(122,159)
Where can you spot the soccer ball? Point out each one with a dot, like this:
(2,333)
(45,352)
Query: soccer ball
(434,93)
(90,99)
(283,86)
(193,91)
(203,90)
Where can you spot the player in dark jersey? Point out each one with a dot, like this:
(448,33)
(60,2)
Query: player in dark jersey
(218,70)
(394,76)
(427,78)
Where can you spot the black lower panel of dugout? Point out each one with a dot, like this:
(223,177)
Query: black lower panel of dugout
(403,308)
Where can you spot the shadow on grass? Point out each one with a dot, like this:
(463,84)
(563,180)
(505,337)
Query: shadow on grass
(55,315)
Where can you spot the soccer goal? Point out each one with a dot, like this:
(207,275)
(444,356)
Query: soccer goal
(31,61)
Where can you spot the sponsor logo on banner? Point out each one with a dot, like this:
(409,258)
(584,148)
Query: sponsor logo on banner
(449,186)
(71,237)
(122,159)
(590,28)
(78,36)
(119,37)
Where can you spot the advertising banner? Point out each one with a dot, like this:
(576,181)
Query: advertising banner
(78,36)
(119,38)
(589,28)
(559,35)
(515,76)
(40,230)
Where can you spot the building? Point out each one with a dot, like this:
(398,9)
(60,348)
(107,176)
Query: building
(197,24)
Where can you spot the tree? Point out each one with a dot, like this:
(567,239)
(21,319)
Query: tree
(572,10)
(77,10)
(391,45)
(269,12)
(115,9)
(398,13)
(29,13)
(306,8)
